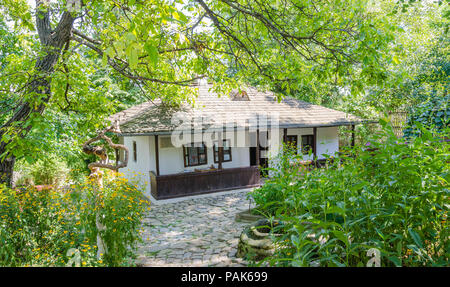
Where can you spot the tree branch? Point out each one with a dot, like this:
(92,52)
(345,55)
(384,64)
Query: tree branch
(43,21)
(121,70)
(85,37)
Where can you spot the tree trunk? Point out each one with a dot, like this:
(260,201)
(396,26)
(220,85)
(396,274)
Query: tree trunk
(6,171)
(53,41)
(41,87)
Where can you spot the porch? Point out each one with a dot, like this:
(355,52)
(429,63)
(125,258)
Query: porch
(200,182)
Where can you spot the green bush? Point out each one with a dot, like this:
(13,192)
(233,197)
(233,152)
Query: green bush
(49,170)
(38,228)
(392,196)
(275,192)
(431,113)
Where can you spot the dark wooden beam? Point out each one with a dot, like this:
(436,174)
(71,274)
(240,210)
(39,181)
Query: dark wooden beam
(257,147)
(353,136)
(220,150)
(315,143)
(157,154)
(285,136)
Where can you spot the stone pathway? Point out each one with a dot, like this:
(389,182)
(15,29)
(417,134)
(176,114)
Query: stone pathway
(194,232)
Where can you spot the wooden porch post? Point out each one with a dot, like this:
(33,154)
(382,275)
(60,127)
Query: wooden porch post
(220,150)
(315,142)
(257,147)
(353,136)
(157,154)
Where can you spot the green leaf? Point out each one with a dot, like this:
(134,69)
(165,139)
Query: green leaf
(416,237)
(104,59)
(6,138)
(341,236)
(396,60)
(152,53)
(396,261)
(29,159)
(109,51)
(130,37)
(119,45)
(134,58)
(176,15)
(336,209)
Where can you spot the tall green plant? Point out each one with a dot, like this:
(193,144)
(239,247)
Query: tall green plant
(392,196)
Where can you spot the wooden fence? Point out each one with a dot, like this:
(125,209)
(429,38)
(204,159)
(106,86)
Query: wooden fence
(398,120)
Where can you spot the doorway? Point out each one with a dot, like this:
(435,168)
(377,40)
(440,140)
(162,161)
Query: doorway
(263,149)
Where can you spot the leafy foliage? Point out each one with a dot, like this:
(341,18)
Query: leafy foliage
(122,52)
(46,171)
(392,196)
(433,113)
(429,91)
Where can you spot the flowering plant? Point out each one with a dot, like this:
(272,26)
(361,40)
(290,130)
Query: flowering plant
(43,228)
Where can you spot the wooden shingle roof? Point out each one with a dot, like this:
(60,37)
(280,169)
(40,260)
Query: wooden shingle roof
(155,117)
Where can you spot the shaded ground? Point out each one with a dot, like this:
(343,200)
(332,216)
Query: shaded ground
(194,232)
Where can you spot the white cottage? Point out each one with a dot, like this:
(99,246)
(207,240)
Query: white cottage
(220,143)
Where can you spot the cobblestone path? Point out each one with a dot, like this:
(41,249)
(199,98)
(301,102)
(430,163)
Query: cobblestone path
(194,232)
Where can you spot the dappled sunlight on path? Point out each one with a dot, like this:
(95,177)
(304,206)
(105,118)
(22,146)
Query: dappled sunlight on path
(194,232)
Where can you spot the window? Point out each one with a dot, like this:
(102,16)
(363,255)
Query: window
(307,144)
(291,142)
(226,151)
(194,154)
(134,151)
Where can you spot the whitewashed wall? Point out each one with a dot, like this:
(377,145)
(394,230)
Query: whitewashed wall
(171,159)
(327,141)
(138,171)
(298,132)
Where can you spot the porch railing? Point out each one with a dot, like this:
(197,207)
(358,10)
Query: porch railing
(192,183)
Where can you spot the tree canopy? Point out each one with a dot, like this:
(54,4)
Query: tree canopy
(66,64)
